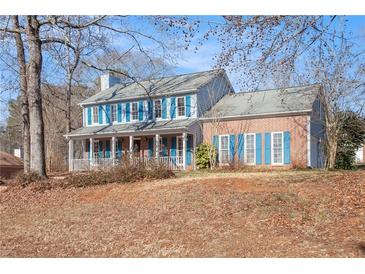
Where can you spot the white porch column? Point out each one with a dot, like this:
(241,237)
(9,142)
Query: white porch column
(131,146)
(70,154)
(157,147)
(91,151)
(184,139)
(113,150)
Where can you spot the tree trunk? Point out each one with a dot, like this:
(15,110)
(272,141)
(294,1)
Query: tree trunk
(68,104)
(24,95)
(37,161)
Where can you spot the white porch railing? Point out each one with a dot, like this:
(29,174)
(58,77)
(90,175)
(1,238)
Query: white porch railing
(172,162)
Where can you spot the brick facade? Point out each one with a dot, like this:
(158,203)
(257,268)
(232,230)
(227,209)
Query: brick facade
(296,125)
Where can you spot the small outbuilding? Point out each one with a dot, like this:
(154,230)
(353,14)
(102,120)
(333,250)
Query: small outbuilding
(10,165)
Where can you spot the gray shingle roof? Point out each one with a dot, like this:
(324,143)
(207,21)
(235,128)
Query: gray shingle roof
(156,87)
(134,127)
(294,99)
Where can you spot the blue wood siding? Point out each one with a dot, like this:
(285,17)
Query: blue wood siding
(188,106)
(164,147)
(172,108)
(286,147)
(127,112)
(258,148)
(240,147)
(173,146)
(100,150)
(164,108)
(268,148)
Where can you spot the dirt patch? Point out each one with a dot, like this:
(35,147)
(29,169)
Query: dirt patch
(286,214)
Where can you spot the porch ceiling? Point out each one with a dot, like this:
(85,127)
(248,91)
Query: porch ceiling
(142,128)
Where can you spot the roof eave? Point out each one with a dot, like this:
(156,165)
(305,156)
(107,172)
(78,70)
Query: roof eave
(260,115)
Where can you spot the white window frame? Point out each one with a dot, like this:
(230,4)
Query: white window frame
(94,115)
(219,148)
(154,109)
(245,149)
(272,148)
(177,106)
(115,106)
(134,103)
(179,139)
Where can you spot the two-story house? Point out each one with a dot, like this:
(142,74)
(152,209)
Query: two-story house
(165,119)
(153,119)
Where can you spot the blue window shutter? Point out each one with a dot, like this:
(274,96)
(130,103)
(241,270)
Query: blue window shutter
(89,149)
(100,114)
(140,110)
(164,108)
(173,146)
(150,147)
(258,149)
(188,106)
(188,151)
(240,147)
(100,150)
(127,112)
(107,149)
(89,120)
(150,110)
(108,114)
(231,147)
(119,118)
(119,148)
(173,108)
(286,147)
(268,148)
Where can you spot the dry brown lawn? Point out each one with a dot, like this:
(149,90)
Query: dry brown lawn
(277,214)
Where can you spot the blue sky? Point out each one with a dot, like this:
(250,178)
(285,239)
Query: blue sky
(190,61)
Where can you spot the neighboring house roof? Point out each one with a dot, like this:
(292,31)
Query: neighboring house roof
(147,127)
(265,102)
(9,160)
(177,84)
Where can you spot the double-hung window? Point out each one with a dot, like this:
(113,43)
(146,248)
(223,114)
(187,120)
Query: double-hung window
(135,111)
(95,114)
(250,148)
(114,113)
(158,112)
(224,149)
(181,106)
(277,148)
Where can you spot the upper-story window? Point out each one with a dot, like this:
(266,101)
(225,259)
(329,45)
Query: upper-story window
(95,114)
(134,111)
(158,112)
(181,106)
(114,112)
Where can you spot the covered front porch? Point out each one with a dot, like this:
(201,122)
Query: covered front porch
(174,150)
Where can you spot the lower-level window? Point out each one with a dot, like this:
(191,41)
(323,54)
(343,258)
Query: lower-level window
(277,148)
(224,149)
(250,148)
